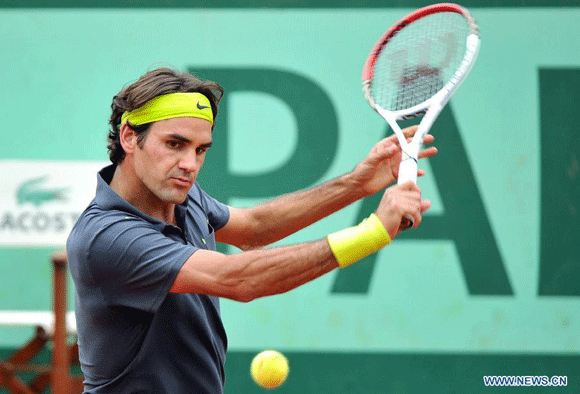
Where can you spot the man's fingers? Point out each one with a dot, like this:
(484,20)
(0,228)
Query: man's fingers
(410,131)
(400,201)
(413,209)
(425,205)
(428,139)
(414,206)
(385,148)
(409,185)
(431,151)
(418,215)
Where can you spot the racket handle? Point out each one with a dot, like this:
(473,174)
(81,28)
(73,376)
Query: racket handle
(407,172)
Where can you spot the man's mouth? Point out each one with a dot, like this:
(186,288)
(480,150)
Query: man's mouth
(182,182)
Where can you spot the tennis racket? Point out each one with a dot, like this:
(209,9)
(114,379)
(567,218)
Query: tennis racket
(415,68)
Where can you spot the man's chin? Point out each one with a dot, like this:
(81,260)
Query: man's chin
(174,197)
(179,198)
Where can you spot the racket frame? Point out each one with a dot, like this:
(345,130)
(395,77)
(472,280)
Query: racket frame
(430,107)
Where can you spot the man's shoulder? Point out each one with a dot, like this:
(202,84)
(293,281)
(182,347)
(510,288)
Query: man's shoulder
(95,220)
(94,215)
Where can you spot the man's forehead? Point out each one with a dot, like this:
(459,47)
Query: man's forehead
(191,129)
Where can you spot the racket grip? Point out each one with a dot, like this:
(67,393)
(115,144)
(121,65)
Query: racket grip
(407,172)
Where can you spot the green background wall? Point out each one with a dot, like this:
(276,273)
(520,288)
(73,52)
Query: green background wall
(490,283)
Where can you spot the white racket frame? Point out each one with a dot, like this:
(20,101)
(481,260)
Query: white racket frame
(431,107)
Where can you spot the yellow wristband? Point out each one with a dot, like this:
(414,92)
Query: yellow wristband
(354,243)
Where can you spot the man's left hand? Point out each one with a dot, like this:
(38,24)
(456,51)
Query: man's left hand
(381,167)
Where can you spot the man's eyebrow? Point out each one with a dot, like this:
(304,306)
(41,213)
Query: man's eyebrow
(187,140)
(179,138)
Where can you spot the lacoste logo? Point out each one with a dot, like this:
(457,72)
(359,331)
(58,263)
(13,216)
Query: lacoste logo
(199,106)
(32,191)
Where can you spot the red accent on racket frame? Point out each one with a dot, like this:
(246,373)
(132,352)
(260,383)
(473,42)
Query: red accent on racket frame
(368,69)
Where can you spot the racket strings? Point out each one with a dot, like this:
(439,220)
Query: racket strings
(417,85)
(419,60)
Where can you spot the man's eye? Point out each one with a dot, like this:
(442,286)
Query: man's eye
(199,151)
(173,144)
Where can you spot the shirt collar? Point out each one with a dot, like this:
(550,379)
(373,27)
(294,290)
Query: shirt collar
(108,199)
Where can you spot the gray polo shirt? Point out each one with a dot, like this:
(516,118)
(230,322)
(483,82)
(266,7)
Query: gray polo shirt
(134,336)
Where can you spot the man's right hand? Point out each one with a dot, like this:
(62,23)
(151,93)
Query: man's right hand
(399,201)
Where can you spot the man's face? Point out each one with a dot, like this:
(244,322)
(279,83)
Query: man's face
(171,156)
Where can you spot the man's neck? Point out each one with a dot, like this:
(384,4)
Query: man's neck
(129,187)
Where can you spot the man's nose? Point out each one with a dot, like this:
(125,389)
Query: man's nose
(190,162)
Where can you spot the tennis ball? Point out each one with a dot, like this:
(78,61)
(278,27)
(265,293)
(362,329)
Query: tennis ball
(269,369)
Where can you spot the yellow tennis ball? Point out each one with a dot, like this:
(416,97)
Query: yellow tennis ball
(269,369)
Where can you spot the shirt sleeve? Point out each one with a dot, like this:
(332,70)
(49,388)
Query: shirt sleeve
(132,262)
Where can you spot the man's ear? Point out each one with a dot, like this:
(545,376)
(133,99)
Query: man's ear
(128,138)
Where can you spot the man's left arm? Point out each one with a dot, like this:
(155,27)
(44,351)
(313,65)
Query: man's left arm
(250,228)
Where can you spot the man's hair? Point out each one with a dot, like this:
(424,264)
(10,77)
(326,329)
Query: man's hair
(152,84)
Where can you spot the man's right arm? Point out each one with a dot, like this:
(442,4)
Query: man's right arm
(257,273)
(253,274)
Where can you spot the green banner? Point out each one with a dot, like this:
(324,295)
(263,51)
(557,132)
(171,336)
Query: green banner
(490,278)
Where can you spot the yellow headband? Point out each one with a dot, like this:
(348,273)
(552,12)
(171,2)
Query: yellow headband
(173,105)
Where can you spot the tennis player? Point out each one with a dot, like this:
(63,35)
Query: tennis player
(147,274)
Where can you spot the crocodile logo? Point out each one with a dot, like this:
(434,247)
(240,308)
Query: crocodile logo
(33,192)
